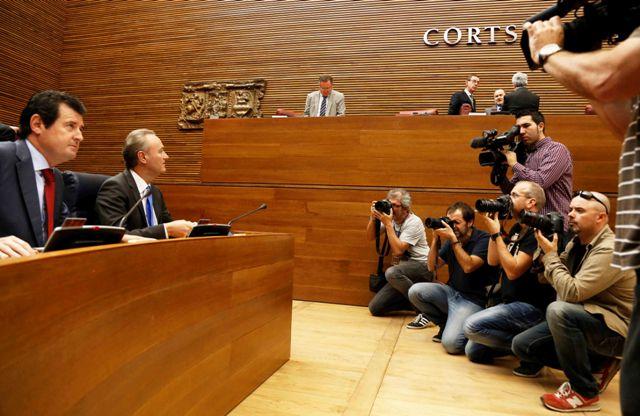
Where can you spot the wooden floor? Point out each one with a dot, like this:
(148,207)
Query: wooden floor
(343,361)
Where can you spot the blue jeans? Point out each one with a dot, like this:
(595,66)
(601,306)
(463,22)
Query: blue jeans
(444,306)
(491,331)
(571,339)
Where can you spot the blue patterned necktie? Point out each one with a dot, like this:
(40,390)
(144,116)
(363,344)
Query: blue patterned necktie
(151,217)
(323,107)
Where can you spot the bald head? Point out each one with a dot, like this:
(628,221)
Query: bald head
(588,214)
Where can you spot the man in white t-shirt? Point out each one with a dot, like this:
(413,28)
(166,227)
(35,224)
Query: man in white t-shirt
(408,244)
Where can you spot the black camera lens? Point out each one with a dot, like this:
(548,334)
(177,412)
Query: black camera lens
(437,223)
(384,206)
(501,205)
(552,223)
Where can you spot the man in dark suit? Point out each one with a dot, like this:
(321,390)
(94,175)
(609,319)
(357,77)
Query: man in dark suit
(31,189)
(145,158)
(464,96)
(521,98)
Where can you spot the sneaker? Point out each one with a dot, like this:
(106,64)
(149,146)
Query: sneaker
(528,370)
(567,400)
(420,322)
(438,337)
(607,373)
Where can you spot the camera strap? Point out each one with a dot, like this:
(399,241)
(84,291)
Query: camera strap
(382,251)
(498,173)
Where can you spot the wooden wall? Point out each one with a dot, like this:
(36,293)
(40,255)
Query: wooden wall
(31,38)
(318,177)
(129,59)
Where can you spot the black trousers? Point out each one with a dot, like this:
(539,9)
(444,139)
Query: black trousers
(630,373)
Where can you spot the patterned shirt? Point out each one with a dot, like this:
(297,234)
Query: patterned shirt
(549,165)
(626,252)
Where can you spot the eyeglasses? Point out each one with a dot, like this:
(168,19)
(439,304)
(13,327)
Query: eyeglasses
(515,195)
(588,195)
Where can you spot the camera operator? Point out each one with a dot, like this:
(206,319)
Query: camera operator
(609,79)
(523,298)
(548,163)
(464,250)
(408,242)
(586,326)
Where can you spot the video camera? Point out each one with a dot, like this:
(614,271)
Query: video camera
(492,145)
(501,205)
(436,223)
(613,20)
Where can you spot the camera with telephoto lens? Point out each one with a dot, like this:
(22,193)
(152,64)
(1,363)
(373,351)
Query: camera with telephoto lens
(436,223)
(549,224)
(492,146)
(384,206)
(611,20)
(501,205)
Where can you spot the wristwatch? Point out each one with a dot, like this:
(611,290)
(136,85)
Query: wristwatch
(546,51)
(495,236)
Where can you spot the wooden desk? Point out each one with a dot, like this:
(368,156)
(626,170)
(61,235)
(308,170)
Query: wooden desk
(186,326)
(319,176)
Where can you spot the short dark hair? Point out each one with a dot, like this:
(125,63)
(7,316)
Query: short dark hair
(536,116)
(6,133)
(325,78)
(467,212)
(47,105)
(135,142)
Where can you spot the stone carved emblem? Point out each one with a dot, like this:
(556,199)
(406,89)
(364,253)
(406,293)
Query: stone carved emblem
(219,99)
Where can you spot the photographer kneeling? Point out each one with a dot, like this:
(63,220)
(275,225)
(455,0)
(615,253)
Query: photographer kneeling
(408,242)
(464,250)
(523,298)
(586,327)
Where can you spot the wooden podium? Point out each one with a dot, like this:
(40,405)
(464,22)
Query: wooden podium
(319,175)
(187,326)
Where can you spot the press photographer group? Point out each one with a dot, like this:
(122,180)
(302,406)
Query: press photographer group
(537,272)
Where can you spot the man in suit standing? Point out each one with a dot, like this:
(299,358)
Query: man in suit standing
(145,158)
(464,96)
(326,101)
(31,190)
(521,98)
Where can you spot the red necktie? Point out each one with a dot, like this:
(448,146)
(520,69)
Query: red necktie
(49,196)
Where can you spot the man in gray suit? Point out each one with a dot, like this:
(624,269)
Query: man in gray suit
(326,101)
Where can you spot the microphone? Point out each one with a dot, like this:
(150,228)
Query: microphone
(142,197)
(263,206)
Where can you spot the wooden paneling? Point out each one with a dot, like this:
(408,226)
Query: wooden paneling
(417,152)
(31,37)
(319,176)
(185,326)
(128,60)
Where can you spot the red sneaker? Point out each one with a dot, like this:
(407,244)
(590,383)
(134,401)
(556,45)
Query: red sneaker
(567,400)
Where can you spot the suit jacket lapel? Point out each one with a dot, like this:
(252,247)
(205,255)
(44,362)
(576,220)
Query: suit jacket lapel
(29,190)
(329,104)
(134,196)
(57,213)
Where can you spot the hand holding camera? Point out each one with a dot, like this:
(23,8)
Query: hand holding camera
(491,222)
(546,245)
